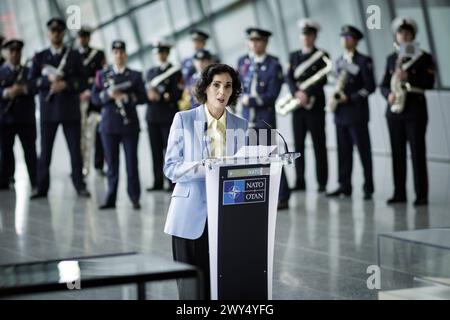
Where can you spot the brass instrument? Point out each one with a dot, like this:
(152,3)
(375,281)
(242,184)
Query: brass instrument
(400,88)
(338,91)
(289,103)
(185,101)
(347,68)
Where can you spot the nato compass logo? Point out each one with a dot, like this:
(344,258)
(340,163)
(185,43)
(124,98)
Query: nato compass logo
(244,191)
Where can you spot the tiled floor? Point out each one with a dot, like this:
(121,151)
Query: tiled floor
(323,247)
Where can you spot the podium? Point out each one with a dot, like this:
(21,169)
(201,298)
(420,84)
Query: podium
(242,199)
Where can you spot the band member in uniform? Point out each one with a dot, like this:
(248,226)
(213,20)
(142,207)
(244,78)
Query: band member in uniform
(404,82)
(164,87)
(262,78)
(93,61)
(17,110)
(202,59)
(119,90)
(10,162)
(199,39)
(57,73)
(310,115)
(218,87)
(354,85)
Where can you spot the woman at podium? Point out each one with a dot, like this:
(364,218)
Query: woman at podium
(207,131)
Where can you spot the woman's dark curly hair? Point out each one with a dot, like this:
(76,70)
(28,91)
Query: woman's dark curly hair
(207,77)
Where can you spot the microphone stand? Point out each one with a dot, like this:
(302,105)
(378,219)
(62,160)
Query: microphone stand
(287,157)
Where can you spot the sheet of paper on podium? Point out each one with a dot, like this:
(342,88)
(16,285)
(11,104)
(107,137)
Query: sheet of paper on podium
(254,151)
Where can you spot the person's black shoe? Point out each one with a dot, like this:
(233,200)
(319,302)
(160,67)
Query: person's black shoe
(282,205)
(4,187)
(38,195)
(136,205)
(107,206)
(84,193)
(421,202)
(299,187)
(155,188)
(321,189)
(338,193)
(367,196)
(395,200)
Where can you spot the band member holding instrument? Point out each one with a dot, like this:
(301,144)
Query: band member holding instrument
(262,76)
(57,73)
(10,162)
(164,87)
(199,39)
(406,78)
(93,61)
(352,112)
(119,90)
(202,59)
(17,109)
(310,115)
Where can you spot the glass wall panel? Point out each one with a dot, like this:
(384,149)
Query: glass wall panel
(439,11)
(332,15)
(152,21)
(266,11)
(291,14)
(382,40)
(179,13)
(105,9)
(235,23)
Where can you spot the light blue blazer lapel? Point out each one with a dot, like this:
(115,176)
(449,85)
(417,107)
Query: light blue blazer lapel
(199,127)
(230,138)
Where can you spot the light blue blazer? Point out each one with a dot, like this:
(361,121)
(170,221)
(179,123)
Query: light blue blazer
(186,148)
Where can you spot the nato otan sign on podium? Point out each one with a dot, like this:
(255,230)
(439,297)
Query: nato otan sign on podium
(242,198)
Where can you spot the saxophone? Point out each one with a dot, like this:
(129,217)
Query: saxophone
(289,103)
(184,103)
(338,91)
(398,87)
(401,87)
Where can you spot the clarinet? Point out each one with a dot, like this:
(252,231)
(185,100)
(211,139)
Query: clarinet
(108,84)
(18,80)
(59,71)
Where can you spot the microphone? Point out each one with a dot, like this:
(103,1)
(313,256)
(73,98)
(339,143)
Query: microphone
(286,149)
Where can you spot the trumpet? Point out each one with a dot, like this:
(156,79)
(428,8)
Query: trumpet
(290,103)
